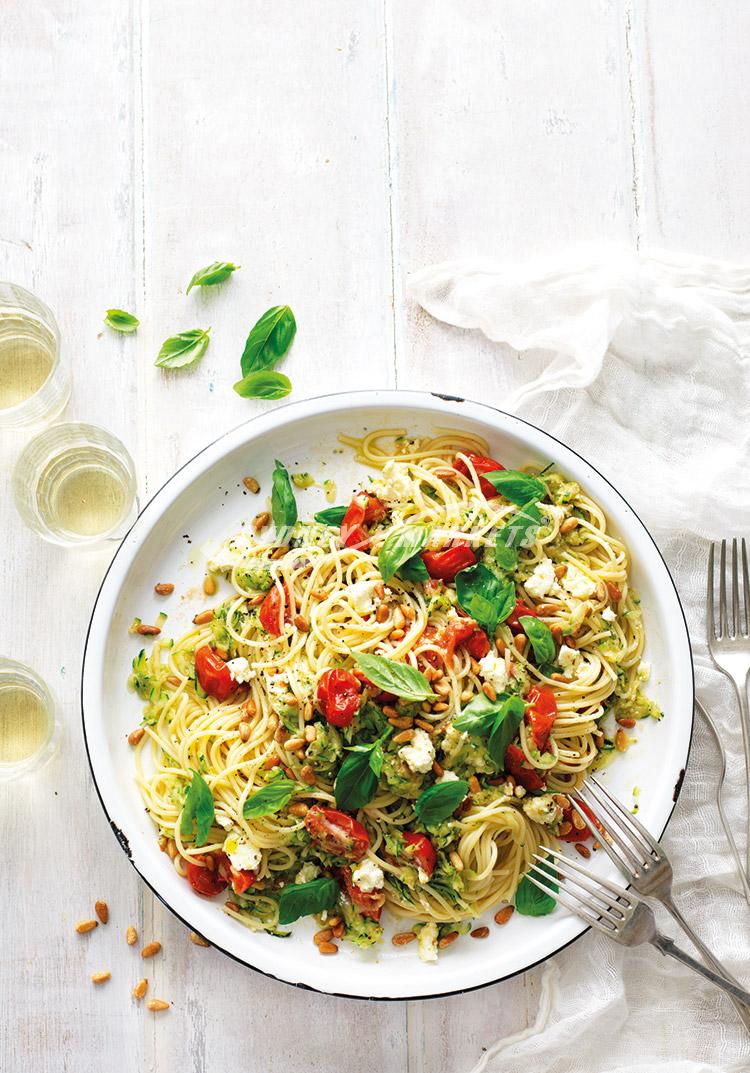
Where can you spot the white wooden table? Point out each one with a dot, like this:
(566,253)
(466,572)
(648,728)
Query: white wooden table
(330,147)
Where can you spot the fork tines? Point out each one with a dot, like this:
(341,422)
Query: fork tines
(624,838)
(738,628)
(601,904)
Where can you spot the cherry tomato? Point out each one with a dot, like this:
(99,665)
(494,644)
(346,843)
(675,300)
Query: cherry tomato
(369,902)
(363,510)
(213,675)
(516,765)
(338,696)
(447,562)
(423,855)
(205,881)
(518,611)
(574,835)
(464,631)
(275,611)
(478,644)
(541,712)
(337,833)
(242,879)
(481,465)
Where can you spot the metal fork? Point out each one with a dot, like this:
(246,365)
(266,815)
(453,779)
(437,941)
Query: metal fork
(617,913)
(643,862)
(730,647)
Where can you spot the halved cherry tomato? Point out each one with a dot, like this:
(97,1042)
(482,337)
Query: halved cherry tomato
(517,766)
(482,464)
(369,902)
(363,510)
(541,712)
(519,610)
(574,835)
(337,833)
(447,562)
(242,879)
(214,677)
(275,611)
(205,881)
(464,631)
(423,855)
(338,696)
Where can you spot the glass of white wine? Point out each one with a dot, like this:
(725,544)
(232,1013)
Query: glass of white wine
(34,380)
(75,484)
(30,725)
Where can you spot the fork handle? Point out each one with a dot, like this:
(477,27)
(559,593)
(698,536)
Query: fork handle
(740,686)
(668,946)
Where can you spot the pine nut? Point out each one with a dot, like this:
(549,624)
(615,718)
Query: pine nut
(333,922)
(311,733)
(390,712)
(307,775)
(290,700)
(403,938)
(398,619)
(293,744)
(578,821)
(560,677)
(443,688)
(150,949)
(560,800)
(520,642)
(467,695)
(456,861)
(441,706)
(547,610)
(382,613)
(561,571)
(613,591)
(474,786)
(271,761)
(502,916)
(100,977)
(251,484)
(437,769)
(156,1004)
(209,585)
(489,690)
(136,735)
(131,936)
(396,635)
(140,989)
(164,588)
(480,933)
(323,936)
(402,723)
(147,631)
(423,725)
(173,680)
(280,734)
(500,646)
(84,926)
(409,613)
(402,736)
(232,906)
(626,722)
(338,930)
(556,632)
(318,594)
(569,525)
(260,521)
(583,850)
(301,623)
(245,731)
(172,849)
(307,711)
(202,618)
(288,772)
(328,948)
(621,741)
(257,600)
(102,911)
(299,808)
(447,939)
(474,665)
(279,553)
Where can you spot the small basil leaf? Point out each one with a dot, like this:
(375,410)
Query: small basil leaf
(507,722)
(485,596)
(518,487)
(541,638)
(211,274)
(440,801)
(398,678)
(301,899)
(519,532)
(183,349)
(265,384)
(413,570)
(357,782)
(400,546)
(283,503)
(479,715)
(269,340)
(331,516)
(198,810)
(120,321)
(270,799)
(532,902)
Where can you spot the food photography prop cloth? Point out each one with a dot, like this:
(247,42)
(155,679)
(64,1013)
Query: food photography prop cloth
(641,362)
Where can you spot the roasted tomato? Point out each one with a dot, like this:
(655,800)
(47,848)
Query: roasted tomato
(517,766)
(204,880)
(423,854)
(363,510)
(369,902)
(541,712)
(447,562)
(462,631)
(275,611)
(337,833)
(242,879)
(214,677)
(338,696)
(518,612)
(574,835)
(481,465)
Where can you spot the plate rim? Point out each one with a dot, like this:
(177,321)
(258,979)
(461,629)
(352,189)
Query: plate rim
(378,396)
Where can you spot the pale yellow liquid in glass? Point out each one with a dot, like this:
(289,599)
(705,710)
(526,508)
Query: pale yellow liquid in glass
(24,724)
(27,354)
(88,500)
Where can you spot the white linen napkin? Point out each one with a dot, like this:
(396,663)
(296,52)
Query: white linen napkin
(641,362)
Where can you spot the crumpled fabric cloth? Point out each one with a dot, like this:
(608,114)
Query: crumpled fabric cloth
(640,362)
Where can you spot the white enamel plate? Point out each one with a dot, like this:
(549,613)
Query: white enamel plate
(205,501)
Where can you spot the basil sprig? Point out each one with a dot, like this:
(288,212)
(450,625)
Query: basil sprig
(519,532)
(269,339)
(301,899)
(264,384)
(541,638)
(440,801)
(532,902)
(495,721)
(212,274)
(270,799)
(357,781)
(120,321)
(484,596)
(283,503)
(198,810)
(517,487)
(391,677)
(400,548)
(331,516)
(183,349)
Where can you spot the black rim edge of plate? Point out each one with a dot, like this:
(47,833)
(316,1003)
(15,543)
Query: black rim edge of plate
(307,987)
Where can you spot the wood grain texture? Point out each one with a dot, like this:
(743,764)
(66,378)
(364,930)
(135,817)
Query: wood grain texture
(329,148)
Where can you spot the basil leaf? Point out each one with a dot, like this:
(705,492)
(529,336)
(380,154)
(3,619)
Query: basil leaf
(269,340)
(357,781)
(213,273)
(270,799)
(331,516)
(399,678)
(519,532)
(541,638)
(486,597)
(283,503)
(413,569)
(507,722)
(532,902)
(301,899)
(265,384)
(183,349)
(400,546)
(120,321)
(198,810)
(440,801)
(479,715)
(518,487)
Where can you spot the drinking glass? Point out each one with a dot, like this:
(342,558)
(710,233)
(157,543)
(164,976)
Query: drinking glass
(34,380)
(30,726)
(74,484)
